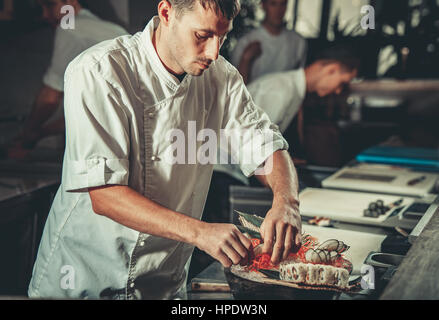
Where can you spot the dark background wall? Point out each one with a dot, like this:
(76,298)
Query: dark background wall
(141,12)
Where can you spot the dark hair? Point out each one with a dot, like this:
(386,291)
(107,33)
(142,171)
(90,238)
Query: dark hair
(345,55)
(83,3)
(228,8)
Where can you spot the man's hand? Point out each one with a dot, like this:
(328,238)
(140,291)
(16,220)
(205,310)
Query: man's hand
(282,230)
(282,226)
(225,243)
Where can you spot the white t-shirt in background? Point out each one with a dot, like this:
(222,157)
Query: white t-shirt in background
(69,43)
(283,52)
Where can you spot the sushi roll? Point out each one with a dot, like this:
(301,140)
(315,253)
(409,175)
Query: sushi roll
(343,278)
(313,275)
(329,276)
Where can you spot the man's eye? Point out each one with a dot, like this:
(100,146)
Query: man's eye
(201,37)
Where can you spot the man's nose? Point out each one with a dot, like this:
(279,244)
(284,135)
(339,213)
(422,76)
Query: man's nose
(212,49)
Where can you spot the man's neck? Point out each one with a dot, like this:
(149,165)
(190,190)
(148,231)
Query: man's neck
(163,53)
(180,77)
(272,29)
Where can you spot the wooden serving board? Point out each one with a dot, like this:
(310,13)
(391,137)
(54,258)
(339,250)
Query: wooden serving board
(346,206)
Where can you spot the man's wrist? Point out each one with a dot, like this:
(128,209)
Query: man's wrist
(286,199)
(194,237)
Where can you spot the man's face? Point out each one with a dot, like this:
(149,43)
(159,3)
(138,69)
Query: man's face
(196,37)
(275,11)
(52,10)
(333,79)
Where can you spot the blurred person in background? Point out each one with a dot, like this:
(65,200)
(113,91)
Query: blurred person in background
(46,118)
(281,94)
(271,47)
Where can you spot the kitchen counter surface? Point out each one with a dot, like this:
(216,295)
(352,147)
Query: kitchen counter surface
(213,274)
(416,277)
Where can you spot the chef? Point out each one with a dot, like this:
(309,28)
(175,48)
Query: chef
(46,118)
(125,220)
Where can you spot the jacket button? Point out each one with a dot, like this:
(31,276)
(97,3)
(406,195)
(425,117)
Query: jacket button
(151,115)
(155,158)
(132,285)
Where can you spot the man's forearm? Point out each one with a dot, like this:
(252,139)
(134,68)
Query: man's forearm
(41,112)
(282,179)
(46,103)
(53,128)
(244,68)
(129,208)
(124,205)
(281,229)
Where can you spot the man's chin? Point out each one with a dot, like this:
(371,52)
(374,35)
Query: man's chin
(196,72)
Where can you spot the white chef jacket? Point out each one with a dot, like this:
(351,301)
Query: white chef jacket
(283,52)
(69,43)
(119,103)
(280,95)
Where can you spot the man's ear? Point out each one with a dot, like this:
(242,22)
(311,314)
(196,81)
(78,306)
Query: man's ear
(164,11)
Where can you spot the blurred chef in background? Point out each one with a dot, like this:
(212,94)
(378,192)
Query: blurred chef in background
(47,117)
(271,47)
(281,94)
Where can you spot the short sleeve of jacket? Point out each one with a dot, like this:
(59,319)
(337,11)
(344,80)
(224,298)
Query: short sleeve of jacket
(97,132)
(245,122)
(66,47)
